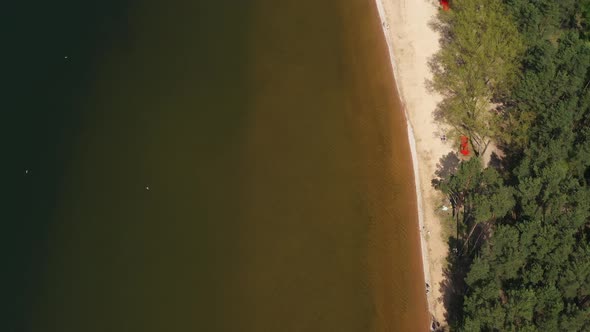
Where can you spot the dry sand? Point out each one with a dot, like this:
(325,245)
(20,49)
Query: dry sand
(411,44)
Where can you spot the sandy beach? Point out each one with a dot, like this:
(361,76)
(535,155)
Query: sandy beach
(411,44)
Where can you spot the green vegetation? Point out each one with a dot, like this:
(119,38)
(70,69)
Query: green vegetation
(517,72)
(476,65)
(478,196)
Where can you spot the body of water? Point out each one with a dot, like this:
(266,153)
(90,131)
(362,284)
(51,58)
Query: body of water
(210,166)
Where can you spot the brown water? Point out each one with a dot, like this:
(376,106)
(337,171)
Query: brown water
(280,196)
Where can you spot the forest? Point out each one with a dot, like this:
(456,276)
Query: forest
(514,74)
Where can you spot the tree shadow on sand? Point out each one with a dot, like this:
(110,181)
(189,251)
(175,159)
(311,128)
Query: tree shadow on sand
(446,166)
(453,287)
(509,159)
(461,253)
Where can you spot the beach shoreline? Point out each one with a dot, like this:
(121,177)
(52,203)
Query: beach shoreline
(411,43)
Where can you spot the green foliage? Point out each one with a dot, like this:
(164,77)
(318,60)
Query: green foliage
(478,193)
(549,95)
(532,270)
(542,19)
(582,18)
(477,63)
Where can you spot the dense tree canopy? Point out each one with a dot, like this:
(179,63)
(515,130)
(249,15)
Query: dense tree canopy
(529,269)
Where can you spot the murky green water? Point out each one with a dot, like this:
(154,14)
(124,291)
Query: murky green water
(222,167)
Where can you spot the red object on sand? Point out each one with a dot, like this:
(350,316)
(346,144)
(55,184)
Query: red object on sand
(445,4)
(464,145)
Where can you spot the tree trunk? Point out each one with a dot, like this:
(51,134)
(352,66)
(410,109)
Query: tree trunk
(479,237)
(469,235)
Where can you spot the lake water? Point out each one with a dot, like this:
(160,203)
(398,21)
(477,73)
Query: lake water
(210,166)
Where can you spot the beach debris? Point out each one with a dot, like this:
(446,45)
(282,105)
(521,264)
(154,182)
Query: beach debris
(445,5)
(443,138)
(445,208)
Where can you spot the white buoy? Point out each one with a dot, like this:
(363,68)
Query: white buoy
(65,57)
(147,188)
(26,171)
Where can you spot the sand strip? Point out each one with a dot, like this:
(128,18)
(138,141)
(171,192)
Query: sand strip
(411,44)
